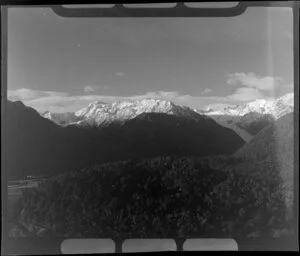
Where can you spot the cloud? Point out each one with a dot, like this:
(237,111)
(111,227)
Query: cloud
(22,94)
(157,95)
(263,83)
(286,88)
(217,106)
(246,94)
(88,88)
(28,94)
(206,91)
(253,86)
(92,88)
(63,102)
(119,73)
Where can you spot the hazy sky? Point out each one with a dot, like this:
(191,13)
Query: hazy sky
(62,64)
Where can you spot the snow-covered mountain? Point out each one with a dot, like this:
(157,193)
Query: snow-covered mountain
(277,107)
(99,113)
(62,118)
(247,119)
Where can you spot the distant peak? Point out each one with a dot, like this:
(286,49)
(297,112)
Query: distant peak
(276,107)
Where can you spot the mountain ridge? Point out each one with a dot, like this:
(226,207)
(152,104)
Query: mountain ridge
(99,113)
(249,118)
(276,107)
(40,145)
(246,120)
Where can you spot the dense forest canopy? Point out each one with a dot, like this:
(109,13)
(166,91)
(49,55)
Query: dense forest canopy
(160,197)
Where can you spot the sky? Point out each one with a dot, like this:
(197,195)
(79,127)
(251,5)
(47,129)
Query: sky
(62,64)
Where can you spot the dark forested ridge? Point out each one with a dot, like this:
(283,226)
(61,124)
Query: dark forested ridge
(34,144)
(272,151)
(38,146)
(159,197)
(275,140)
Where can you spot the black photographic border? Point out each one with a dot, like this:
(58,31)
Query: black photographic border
(52,245)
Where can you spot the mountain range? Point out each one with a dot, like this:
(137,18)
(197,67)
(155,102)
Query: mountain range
(101,114)
(246,120)
(103,132)
(41,146)
(250,118)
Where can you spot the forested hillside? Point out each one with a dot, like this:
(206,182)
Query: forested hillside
(158,197)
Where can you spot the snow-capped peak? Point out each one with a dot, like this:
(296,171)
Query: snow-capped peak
(238,116)
(287,99)
(276,107)
(47,114)
(99,113)
(90,108)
